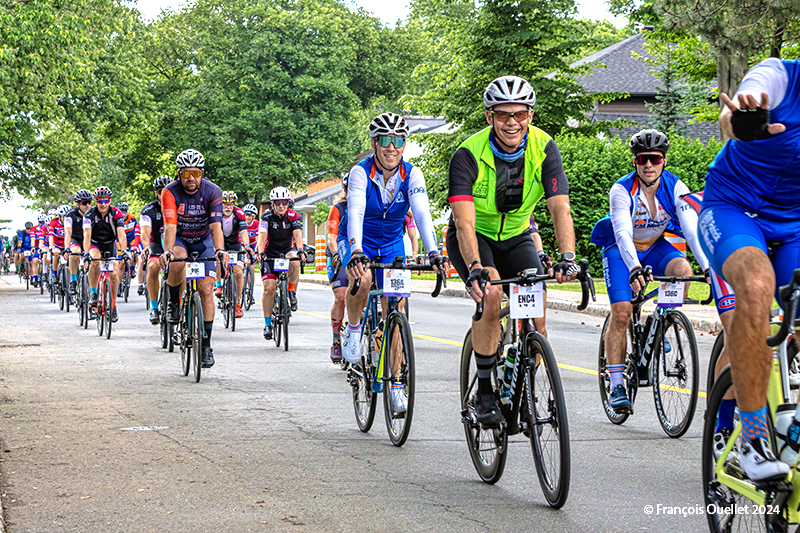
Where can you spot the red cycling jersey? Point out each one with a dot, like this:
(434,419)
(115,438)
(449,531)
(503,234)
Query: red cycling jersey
(56,230)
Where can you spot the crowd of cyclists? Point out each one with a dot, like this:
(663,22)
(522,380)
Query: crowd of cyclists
(741,231)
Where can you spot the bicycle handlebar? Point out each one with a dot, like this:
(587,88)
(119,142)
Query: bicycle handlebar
(648,273)
(529,277)
(263,256)
(789,295)
(398,264)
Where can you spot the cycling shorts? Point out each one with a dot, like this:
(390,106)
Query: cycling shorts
(508,257)
(385,254)
(724,298)
(725,228)
(337,278)
(618,276)
(107,247)
(204,248)
(156,248)
(79,244)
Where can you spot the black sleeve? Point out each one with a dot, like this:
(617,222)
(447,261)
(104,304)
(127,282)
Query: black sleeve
(554,179)
(462,175)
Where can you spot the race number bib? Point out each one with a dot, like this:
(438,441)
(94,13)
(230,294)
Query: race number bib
(62,260)
(526,301)
(105,266)
(670,294)
(281,265)
(195,270)
(26,253)
(397,283)
(233,259)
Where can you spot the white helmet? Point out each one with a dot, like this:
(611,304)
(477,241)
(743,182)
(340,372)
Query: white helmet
(190,158)
(509,90)
(388,124)
(51,213)
(62,210)
(250,209)
(280,193)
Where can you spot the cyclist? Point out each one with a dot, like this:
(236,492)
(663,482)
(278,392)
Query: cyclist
(37,243)
(234,228)
(381,188)
(25,242)
(294,280)
(192,209)
(251,218)
(642,205)
(278,230)
(336,274)
(56,237)
(133,236)
(750,200)
(496,178)
(102,230)
(152,232)
(43,242)
(73,234)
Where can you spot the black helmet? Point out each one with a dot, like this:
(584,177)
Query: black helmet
(161,182)
(122,206)
(28,225)
(83,195)
(649,141)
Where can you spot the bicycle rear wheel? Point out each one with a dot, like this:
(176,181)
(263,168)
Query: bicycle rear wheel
(277,317)
(196,333)
(631,377)
(488,447)
(60,296)
(108,308)
(675,374)
(126,290)
(162,315)
(716,353)
(547,414)
(399,423)
(248,288)
(363,393)
(84,288)
(65,286)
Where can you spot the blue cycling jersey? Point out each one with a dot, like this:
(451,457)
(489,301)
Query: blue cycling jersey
(761,176)
(24,239)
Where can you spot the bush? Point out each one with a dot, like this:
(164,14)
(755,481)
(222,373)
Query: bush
(593,165)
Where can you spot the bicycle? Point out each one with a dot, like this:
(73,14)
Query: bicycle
(124,288)
(281,311)
(4,265)
(166,329)
(102,314)
(190,332)
(62,284)
(249,282)
(725,484)
(536,406)
(662,353)
(230,293)
(82,298)
(39,276)
(52,289)
(24,269)
(374,374)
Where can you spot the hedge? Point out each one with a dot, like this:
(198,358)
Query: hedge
(593,164)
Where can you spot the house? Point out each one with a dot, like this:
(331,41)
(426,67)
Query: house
(621,71)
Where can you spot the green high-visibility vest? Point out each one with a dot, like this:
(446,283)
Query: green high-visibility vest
(489,221)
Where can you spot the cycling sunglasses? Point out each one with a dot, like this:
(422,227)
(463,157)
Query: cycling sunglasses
(655,159)
(386,140)
(519,116)
(280,202)
(103,201)
(85,202)
(197,174)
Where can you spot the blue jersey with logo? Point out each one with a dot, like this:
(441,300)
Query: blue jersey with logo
(24,239)
(762,176)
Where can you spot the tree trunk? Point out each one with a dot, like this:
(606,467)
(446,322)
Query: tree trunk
(731,68)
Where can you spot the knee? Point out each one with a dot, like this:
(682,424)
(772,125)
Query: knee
(620,315)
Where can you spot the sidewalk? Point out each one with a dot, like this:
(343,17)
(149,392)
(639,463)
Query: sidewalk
(703,317)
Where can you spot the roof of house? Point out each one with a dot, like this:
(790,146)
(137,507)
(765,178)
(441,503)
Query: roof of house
(701,130)
(622,72)
(308,202)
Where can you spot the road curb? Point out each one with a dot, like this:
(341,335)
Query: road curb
(559,304)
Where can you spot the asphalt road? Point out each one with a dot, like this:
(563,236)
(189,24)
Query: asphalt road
(267,440)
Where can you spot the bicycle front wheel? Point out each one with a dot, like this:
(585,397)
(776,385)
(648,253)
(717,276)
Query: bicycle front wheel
(232,299)
(488,447)
(108,307)
(676,375)
(285,313)
(65,286)
(84,288)
(399,344)
(196,334)
(126,282)
(547,417)
(225,302)
(363,393)
(248,288)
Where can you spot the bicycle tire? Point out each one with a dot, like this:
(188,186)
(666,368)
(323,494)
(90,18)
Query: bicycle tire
(40,277)
(224,302)
(65,286)
(232,299)
(286,313)
(163,325)
(108,305)
(716,353)
(277,315)
(127,282)
(547,413)
(488,448)
(674,415)
(100,313)
(60,295)
(364,395)
(197,336)
(248,289)
(85,300)
(605,381)
(399,424)
(51,289)
(185,345)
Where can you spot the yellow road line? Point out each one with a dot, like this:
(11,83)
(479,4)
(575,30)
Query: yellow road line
(560,365)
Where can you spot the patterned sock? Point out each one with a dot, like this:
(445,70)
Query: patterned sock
(725,416)
(615,373)
(754,424)
(207,325)
(335,327)
(485,365)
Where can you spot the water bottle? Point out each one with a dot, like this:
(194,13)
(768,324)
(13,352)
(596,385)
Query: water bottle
(511,364)
(787,430)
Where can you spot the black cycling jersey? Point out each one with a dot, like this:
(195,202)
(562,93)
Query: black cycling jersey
(279,230)
(74,219)
(151,217)
(104,228)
